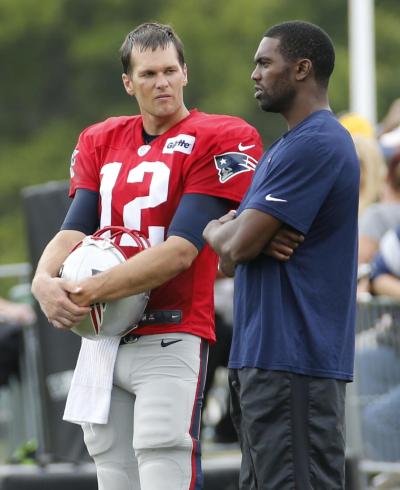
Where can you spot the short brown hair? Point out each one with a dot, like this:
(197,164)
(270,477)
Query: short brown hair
(150,36)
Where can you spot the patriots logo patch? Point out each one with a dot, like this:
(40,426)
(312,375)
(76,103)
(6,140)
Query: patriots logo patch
(233,163)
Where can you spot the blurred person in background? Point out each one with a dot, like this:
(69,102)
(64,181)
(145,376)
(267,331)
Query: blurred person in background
(294,321)
(372,170)
(13,317)
(372,163)
(16,313)
(391,120)
(378,357)
(385,270)
(380,216)
(388,130)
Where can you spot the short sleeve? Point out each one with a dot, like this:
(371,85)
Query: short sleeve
(224,160)
(296,184)
(83,170)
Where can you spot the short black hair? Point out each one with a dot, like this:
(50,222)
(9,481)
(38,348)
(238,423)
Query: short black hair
(299,39)
(150,35)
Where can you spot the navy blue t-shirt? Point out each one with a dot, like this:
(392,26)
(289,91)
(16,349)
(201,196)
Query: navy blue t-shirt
(299,315)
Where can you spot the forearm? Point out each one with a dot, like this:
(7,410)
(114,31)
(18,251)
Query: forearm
(145,271)
(386,285)
(219,236)
(243,238)
(56,251)
(52,292)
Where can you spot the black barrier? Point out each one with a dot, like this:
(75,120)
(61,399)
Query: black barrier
(220,473)
(50,478)
(56,351)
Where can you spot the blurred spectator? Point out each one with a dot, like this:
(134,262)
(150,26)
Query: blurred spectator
(16,313)
(380,217)
(389,130)
(373,170)
(391,120)
(357,124)
(372,163)
(378,358)
(13,316)
(385,275)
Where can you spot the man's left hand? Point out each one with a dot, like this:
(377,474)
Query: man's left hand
(283,244)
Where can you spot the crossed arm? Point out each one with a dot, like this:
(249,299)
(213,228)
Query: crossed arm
(65,303)
(240,239)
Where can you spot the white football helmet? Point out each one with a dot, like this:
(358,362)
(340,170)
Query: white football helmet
(97,253)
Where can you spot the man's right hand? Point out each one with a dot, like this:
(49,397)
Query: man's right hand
(52,294)
(283,244)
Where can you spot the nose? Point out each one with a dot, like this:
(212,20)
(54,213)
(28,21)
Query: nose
(256,74)
(161,81)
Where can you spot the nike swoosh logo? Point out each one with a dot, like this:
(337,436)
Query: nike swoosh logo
(166,344)
(244,148)
(269,197)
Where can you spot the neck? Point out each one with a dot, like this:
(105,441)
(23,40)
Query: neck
(305,104)
(155,125)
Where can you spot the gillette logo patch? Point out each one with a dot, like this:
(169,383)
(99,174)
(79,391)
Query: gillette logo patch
(183,143)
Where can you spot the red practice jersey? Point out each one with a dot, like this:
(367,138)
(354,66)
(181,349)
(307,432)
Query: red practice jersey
(140,186)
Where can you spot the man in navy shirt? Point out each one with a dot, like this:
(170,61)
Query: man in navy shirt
(293,342)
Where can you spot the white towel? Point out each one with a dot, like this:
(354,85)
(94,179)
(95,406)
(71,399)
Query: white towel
(90,393)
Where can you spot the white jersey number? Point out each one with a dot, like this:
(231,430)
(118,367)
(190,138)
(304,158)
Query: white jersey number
(132,212)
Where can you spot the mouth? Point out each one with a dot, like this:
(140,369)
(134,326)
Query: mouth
(163,97)
(258,92)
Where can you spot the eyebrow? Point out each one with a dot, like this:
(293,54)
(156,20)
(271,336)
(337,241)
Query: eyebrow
(153,70)
(261,59)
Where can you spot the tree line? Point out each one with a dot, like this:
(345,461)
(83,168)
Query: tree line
(61,72)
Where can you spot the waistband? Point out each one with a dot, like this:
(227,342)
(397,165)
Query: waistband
(154,317)
(160,316)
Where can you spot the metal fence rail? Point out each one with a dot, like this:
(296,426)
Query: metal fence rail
(374,399)
(19,400)
(21,271)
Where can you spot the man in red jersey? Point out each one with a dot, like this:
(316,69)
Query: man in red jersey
(166,172)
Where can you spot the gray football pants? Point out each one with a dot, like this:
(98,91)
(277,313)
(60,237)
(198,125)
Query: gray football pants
(151,440)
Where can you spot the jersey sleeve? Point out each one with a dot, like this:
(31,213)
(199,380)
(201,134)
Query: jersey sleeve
(296,186)
(82,214)
(223,160)
(192,215)
(83,170)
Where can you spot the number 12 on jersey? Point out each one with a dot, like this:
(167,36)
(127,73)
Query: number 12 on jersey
(132,210)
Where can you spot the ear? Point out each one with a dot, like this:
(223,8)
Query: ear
(185,73)
(303,69)
(128,84)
